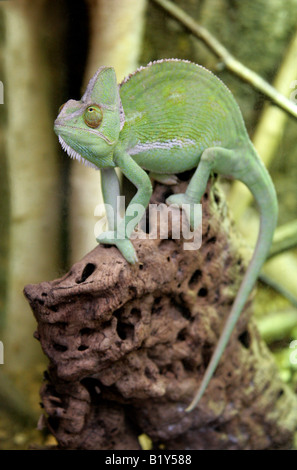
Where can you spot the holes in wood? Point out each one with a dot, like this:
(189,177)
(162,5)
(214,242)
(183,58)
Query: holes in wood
(157,308)
(124,330)
(202,292)
(87,272)
(195,278)
(93,386)
(59,347)
(245,339)
(184,311)
(182,335)
(53,308)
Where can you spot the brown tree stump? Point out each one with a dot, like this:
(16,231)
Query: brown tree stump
(128,346)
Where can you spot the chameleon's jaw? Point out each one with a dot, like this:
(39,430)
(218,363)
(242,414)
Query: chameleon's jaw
(75,155)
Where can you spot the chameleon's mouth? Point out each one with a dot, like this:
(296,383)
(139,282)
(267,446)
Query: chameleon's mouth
(75,155)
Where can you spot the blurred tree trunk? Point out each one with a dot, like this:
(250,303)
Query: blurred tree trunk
(116,33)
(4,191)
(32,173)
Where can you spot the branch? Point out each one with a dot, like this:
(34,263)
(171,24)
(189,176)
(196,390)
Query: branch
(278,325)
(128,346)
(227,59)
(278,288)
(285,238)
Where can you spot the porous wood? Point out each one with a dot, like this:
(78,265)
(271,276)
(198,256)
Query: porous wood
(128,346)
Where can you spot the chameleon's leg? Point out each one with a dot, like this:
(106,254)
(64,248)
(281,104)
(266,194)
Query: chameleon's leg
(210,160)
(110,187)
(164,179)
(135,209)
(111,191)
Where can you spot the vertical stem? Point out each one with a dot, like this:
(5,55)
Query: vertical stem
(33,177)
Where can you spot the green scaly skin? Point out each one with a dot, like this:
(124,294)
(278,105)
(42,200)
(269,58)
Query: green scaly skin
(166,118)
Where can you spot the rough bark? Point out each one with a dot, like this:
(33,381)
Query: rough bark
(128,346)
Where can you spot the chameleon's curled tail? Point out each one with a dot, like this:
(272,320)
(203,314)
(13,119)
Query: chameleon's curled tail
(264,193)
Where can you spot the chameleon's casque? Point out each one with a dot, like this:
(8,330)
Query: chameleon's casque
(164,119)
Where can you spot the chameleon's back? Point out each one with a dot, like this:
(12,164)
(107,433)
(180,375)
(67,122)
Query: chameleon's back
(179,106)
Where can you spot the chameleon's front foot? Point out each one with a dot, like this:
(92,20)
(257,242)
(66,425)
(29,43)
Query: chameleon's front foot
(125,245)
(191,209)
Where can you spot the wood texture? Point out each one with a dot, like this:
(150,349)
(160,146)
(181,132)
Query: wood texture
(128,346)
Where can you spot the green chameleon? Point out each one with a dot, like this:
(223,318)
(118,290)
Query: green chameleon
(166,118)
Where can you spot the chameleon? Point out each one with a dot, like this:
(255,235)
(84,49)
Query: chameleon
(166,118)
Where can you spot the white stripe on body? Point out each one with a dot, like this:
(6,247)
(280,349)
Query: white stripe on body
(166,145)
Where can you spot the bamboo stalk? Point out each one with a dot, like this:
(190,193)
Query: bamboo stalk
(33,178)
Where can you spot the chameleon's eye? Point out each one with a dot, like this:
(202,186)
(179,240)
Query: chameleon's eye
(93,116)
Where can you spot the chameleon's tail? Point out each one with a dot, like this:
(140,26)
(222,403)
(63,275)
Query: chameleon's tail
(264,193)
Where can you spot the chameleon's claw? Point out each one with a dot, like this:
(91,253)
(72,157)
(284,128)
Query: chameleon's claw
(125,245)
(127,250)
(177,199)
(182,200)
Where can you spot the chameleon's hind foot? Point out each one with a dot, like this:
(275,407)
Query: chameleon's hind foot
(164,179)
(191,209)
(124,245)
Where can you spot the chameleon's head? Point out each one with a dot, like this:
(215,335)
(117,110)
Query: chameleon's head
(89,129)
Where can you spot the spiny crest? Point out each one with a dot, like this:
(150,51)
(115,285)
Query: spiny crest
(75,155)
(160,61)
